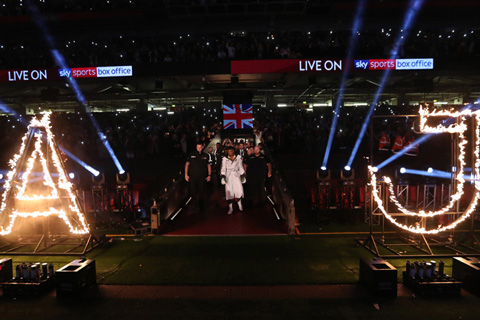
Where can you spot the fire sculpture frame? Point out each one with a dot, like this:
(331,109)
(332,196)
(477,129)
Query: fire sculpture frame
(382,194)
(62,201)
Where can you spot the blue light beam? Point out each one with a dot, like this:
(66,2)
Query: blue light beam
(414,7)
(351,49)
(438,174)
(6,109)
(420,140)
(405,150)
(59,59)
(80,162)
(429,173)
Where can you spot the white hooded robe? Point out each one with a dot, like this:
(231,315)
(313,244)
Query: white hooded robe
(232,170)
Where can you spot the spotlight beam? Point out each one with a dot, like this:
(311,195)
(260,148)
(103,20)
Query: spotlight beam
(404,150)
(351,48)
(419,141)
(59,59)
(80,162)
(433,173)
(414,7)
(6,109)
(438,174)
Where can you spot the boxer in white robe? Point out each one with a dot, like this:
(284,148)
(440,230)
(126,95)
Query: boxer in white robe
(233,175)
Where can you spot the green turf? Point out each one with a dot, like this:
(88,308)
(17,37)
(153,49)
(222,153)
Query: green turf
(229,261)
(222,260)
(336,227)
(277,260)
(260,260)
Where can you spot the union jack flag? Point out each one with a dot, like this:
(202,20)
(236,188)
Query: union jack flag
(237,116)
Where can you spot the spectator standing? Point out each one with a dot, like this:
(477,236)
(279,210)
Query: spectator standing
(411,145)
(384,143)
(231,51)
(242,152)
(398,144)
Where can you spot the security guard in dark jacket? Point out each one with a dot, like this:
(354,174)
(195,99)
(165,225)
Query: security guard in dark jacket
(258,169)
(198,172)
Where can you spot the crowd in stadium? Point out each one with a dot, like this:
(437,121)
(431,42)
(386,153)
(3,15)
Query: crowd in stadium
(116,49)
(140,136)
(19,7)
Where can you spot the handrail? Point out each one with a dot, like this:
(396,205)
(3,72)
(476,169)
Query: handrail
(172,197)
(282,197)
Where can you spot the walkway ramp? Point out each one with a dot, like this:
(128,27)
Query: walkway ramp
(214,220)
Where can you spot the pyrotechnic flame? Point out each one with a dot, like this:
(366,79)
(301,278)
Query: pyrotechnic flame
(458,128)
(63,182)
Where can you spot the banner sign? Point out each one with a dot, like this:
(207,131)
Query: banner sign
(97,72)
(285,66)
(326,65)
(119,71)
(394,64)
(414,64)
(27,75)
(236,67)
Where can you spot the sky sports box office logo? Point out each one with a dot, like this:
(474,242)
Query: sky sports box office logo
(96,72)
(394,64)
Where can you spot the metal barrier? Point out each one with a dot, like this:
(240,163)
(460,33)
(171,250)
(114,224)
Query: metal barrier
(173,198)
(283,201)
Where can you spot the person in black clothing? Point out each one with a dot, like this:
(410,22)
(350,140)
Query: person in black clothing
(211,156)
(212,161)
(198,172)
(258,168)
(242,152)
(219,153)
